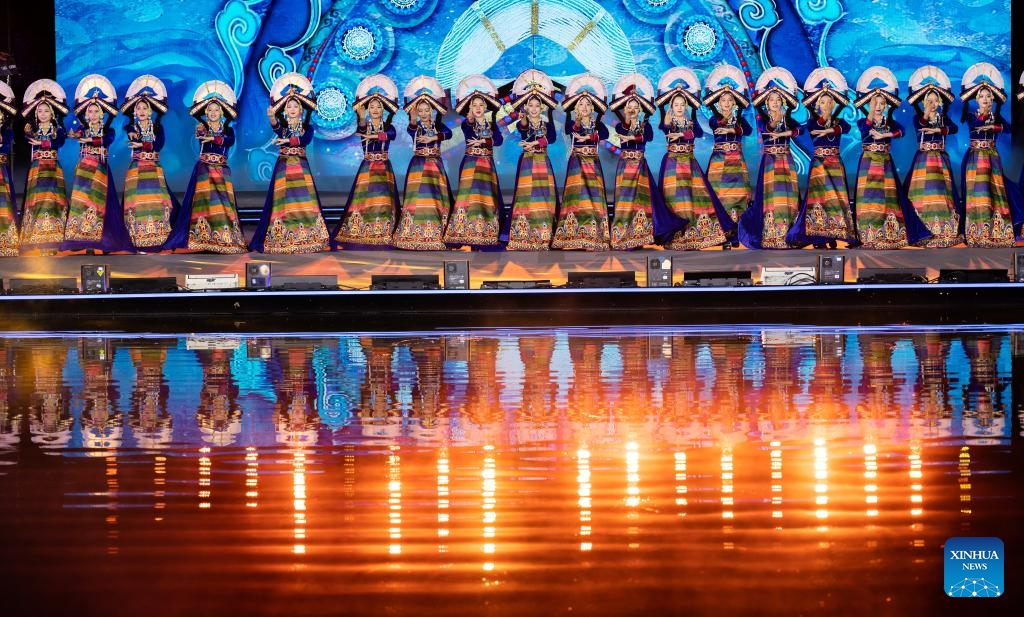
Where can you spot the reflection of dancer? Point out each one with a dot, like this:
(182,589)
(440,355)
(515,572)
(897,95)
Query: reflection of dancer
(725,95)
(102,426)
(8,206)
(49,420)
(427,200)
(149,206)
(929,185)
(219,416)
(295,417)
(686,189)
(208,218)
(825,214)
(291,221)
(986,203)
(372,207)
(640,215)
(10,423)
(583,217)
(45,211)
(767,222)
(884,219)
(95,216)
(478,210)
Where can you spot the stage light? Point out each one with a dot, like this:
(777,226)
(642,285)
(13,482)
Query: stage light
(831,269)
(892,275)
(600,280)
(95,279)
(456,275)
(257,275)
(981,275)
(404,282)
(659,271)
(715,278)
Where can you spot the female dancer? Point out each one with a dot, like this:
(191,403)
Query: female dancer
(208,218)
(535,206)
(291,221)
(8,207)
(583,217)
(929,185)
(640,215)
(768,220)
(369,215)
(884,219)
(986,216)
(825,214)
(427,199)
(686,189)
(726,96)
(95,216)
(477,214)
(149,206)
(45,211)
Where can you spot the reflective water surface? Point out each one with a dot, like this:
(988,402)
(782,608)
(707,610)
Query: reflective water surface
(507,472)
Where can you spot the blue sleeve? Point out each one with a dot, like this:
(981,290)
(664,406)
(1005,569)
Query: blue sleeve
(602,131)
(551,134)
(665,128)
(865,128)
(411,130)
(845,126)
(951,127)
(306,137)
(620,129)
(648,132)
(567,128)
(897,127)
(158,138)
(229,137)
(62,136)
(108,136)
(698,131)
(497,138)
(713,122)
(467,130)
(918,125)
(747,130)
(391,132)
(444,131)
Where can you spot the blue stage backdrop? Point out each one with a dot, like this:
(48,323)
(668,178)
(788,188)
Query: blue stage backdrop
(248,43)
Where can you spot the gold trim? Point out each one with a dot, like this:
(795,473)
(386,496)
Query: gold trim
(489,27)
(535,17)
(585,31)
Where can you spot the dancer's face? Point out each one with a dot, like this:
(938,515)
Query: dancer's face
(631,109)
(931,103)
(43,113)
(678,106)
(477,108)
(774,103)
(376,109)
(93,114)
(292,110)
(533,108)
(143,111)
(726,103)
(584,108)
(878,105)
(985,100)
(423,112)
(826,105)
(214,112)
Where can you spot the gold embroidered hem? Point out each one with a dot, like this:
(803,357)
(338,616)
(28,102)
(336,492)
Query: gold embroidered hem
(707,232)
(356,231)
(413,236)
(526,237)
(226,240)
(480,231)
(571,236)
(944,232)
(301,239)
(638,232)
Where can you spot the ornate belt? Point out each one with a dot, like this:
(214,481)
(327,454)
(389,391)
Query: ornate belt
(475,151)
(635,155)
(99,151)
(823,152)
(293,151)
(680,148)
(145,156)
(587,151)
(776,150)
(375,156)
(875,147)
(727,146)
(3,159)
(428,152)
(928,146)
(983,144)
(213,159)
(43,154)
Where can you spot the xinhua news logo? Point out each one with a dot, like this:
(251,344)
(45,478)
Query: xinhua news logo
(973,567)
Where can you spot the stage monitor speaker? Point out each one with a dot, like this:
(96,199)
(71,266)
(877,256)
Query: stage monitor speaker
(892,275)
(456,275)
(831,269)
(531,284)
(154,285)
(403,282)
(659,271)
(602,280)
(257,275)
(983,275)
(304,282)
(95,279)
(48,287)
(729,278)
(1018,266)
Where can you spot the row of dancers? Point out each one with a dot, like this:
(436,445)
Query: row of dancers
(683,209)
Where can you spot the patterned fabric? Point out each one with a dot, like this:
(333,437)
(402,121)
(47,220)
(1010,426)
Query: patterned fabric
(148,204)
(633,223)
(880,223)
(475,215)
(213,225)
(8,223)
(372,206)
(987,221)
(930,191)
(425,206)
(88,200)
(727,173)
(535,204)
(768,221)
(46,207)
(826,213)
(292,221)
(688,195)
(583,217)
